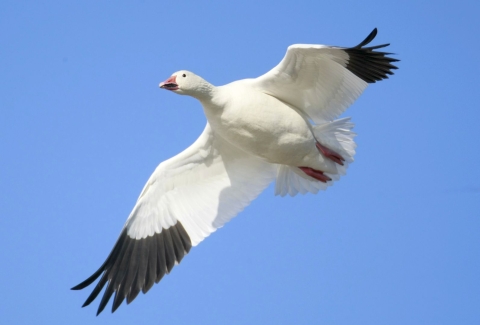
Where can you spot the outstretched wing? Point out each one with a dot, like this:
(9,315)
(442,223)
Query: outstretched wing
(187,197)
(323,81)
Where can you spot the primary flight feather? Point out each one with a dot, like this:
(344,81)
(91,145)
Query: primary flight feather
(280,126)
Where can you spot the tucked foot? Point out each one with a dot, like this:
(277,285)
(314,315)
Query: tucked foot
(330,154)
(317,174)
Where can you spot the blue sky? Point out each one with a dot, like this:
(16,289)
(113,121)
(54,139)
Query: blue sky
(83,125)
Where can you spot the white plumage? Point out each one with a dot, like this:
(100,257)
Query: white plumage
(202,187)
(280,126)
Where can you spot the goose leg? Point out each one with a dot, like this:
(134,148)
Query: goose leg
(317,174)
(330,154)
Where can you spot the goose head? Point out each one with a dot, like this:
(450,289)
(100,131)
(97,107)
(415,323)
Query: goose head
(184,82)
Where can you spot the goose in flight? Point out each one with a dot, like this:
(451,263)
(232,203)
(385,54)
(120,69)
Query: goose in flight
(281,126)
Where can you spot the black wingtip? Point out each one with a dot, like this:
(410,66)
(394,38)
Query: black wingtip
(117,301)
(134,265)
(369,38)
(90,280)
(106,297)
(367,64)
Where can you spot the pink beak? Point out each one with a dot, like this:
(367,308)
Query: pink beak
(170,83)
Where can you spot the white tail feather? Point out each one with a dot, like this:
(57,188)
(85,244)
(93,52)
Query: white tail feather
(336,135)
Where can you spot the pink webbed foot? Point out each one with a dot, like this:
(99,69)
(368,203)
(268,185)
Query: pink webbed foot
(317,174)
(330,154)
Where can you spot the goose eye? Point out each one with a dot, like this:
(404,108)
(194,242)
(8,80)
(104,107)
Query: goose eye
(184,75)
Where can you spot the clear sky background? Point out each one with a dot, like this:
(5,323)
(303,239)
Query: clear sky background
(83,125)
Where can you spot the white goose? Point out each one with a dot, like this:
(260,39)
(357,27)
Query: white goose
(280,126)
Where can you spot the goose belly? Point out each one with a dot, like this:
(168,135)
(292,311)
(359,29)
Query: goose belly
(265,127)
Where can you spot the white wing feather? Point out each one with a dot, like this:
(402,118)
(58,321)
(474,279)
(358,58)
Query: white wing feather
(203,187)
(314,79)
